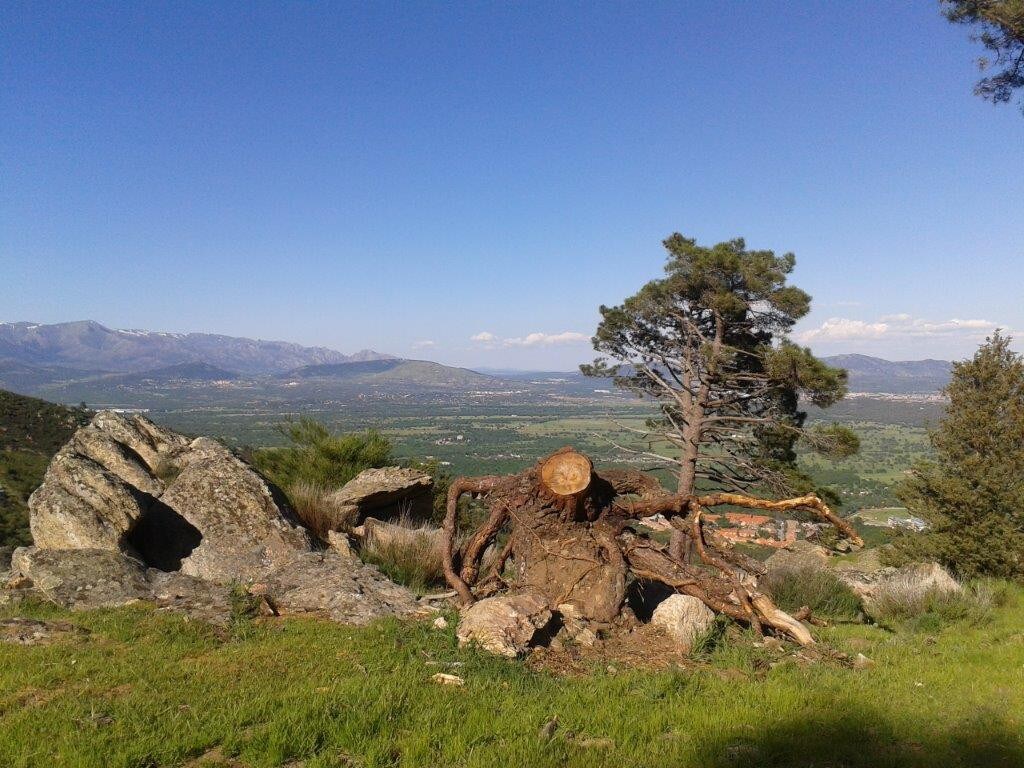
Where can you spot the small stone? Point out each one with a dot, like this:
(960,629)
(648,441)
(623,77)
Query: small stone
(586,638)
(266,607)
(862,662)
(504,625)
(440,623)
(596,743)
(547,731)
(442,678)
(684,618)
(35,632)
(340,543)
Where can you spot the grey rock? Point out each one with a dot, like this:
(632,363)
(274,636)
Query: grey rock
(504,625)
(684,618)
(197,599)
(126,485)
(81,578)
(16,595)
(929,576)
(384,492)
(797,556)
(116,457)
(575,628)
(152,444)
(245,533)
(331,585)
(125,494)
(864,583)
(341,544)
(82,505)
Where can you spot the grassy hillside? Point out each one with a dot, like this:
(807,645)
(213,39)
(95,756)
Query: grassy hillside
(146,689)
(31,431)
(28,424)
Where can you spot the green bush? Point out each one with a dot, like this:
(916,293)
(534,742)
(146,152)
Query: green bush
(319,458)
(815,587)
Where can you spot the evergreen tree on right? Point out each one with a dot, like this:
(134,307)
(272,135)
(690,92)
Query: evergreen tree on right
(972,493)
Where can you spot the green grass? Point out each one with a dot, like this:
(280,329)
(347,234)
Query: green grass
(145,689)
(817,588)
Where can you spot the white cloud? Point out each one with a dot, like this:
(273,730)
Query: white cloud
(843,329)
(548,339)
(484,336)
(424,344)
(898,326)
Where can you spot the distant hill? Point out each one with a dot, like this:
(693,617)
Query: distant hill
(193,372)
(88,345)
(26,377)
(873,374)
(420,373)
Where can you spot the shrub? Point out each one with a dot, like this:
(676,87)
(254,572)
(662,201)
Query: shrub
(317,457)
(405,552)
(815,587)
(313,506)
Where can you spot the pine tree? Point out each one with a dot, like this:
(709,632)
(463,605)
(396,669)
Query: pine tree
(709,343)
(972,493)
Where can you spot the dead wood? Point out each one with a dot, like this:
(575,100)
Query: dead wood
(567,533)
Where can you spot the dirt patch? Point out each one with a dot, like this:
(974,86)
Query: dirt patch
(645,648)
(35,632)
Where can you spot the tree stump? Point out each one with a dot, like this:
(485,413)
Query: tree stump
(569,533)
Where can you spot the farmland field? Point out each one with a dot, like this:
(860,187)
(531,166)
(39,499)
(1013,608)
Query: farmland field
(493,438)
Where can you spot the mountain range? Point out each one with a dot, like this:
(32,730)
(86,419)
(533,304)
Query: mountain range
(873,374)
(88,361)
(86,346)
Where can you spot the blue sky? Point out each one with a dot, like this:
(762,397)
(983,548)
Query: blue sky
(409,176)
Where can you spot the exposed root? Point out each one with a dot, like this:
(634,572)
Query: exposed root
(569,538)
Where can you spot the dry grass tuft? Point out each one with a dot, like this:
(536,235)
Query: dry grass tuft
(928,599)
(408,552)
(314,507)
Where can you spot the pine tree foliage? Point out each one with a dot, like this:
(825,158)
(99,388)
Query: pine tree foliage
(999,26)
(972,493)
(709,343)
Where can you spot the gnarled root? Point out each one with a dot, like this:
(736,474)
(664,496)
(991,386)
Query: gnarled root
(566,529)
